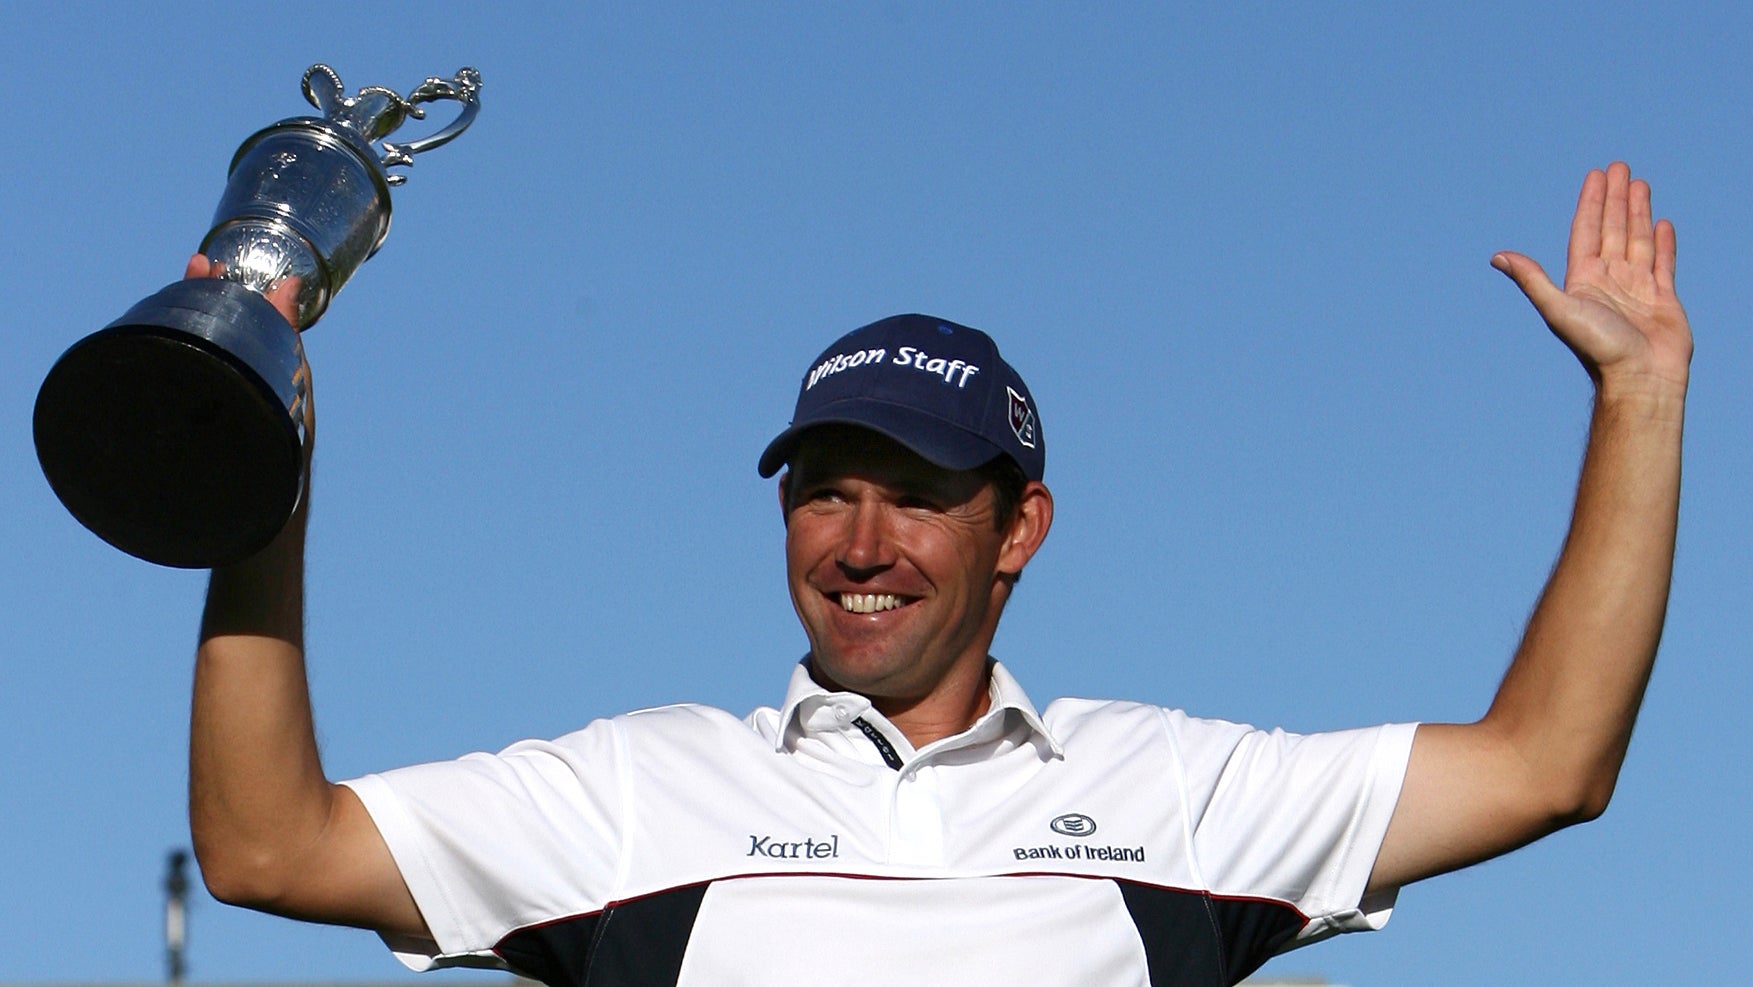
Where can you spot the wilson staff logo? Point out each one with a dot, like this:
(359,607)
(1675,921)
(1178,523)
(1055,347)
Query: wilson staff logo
(1022,419)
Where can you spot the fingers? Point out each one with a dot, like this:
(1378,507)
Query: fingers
(1640,234)
(284,297)
(1614,222)
(1665,248)
(1615,211)
(1585,226)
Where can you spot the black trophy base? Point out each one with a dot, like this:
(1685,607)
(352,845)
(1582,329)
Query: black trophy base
(173,433)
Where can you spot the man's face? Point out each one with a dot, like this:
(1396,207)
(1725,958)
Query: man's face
(894,564)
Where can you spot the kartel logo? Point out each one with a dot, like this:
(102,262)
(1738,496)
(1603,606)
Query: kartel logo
(1073,824)
(1022,418)
(809,848)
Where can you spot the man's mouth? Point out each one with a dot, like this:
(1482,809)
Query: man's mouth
(871,602)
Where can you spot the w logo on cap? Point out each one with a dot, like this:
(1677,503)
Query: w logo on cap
(1022,418)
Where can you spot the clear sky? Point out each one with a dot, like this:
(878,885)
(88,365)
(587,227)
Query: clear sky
(1312,456)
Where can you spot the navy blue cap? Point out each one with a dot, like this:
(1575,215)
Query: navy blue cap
(936,387)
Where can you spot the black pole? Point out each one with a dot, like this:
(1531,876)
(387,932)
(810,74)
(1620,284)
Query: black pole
(176,925)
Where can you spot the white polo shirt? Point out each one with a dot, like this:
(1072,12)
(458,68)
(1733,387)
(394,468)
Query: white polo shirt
(1107,843)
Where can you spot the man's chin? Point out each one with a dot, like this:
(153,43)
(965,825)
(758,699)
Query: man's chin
(870,676)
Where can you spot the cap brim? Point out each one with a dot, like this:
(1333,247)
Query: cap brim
(933,439)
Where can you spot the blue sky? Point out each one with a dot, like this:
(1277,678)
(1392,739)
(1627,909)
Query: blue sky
(1312,456)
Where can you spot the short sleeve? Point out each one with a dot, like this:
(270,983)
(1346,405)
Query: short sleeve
(489,843)
(1299,818)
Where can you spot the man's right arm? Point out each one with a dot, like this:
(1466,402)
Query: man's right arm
(270,831)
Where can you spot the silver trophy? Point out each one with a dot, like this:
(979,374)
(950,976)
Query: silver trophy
(176,433)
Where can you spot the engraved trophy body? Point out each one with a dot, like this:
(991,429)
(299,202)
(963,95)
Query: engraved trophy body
(176,433)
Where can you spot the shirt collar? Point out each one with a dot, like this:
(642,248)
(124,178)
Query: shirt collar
(809,708)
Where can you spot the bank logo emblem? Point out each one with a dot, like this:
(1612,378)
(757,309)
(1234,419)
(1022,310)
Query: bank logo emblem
(1074,824)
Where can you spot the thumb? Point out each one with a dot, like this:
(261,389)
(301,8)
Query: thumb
(1562,313)
(1530,277)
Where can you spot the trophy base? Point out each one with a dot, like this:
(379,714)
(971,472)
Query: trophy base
(175,433)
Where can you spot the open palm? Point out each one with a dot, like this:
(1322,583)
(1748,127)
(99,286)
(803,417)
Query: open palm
(1617,311)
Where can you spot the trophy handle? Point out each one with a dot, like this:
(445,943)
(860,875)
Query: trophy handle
(375,112)
(464,88)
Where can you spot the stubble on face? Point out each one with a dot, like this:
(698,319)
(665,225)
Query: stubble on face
(893,568)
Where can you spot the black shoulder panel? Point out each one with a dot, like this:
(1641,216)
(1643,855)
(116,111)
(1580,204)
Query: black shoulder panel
(639,943)
(1195,938)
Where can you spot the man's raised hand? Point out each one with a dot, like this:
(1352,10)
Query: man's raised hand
(283,296)
(1617,311)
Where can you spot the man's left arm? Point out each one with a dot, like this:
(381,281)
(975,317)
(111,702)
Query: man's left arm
(1547,753)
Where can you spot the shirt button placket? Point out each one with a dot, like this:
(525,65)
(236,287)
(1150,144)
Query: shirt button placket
(918,817)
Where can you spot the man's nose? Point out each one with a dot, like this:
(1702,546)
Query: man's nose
(867,548)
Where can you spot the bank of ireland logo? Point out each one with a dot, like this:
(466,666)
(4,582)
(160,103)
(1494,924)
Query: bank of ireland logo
(1073,824)
(1022,418)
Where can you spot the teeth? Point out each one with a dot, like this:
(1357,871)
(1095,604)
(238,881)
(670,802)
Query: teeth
(869,602)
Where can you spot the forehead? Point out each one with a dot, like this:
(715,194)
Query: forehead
(832,451)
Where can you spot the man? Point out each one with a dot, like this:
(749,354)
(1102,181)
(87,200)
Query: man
(907,815)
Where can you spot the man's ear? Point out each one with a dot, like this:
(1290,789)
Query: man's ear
(785,498)
(1028,529)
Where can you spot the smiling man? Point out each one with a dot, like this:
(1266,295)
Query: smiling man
(913,502)
(906,814)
